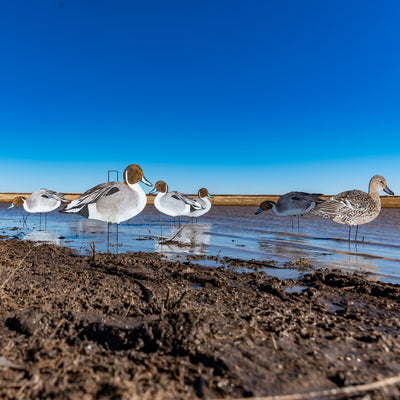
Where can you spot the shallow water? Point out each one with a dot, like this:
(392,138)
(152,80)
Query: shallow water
(227,232)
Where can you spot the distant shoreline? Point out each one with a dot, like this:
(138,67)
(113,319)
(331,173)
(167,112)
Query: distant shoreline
(219,199)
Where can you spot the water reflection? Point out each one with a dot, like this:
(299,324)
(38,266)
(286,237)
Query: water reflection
(194,238)
(41,236)
(90,226)
(353,261)
(286,249)
(323,252)
(228,231)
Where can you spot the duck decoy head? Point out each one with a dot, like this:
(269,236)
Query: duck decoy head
(160,186)
(134,174)
(378,183)
(203,192)
(17,201)
(264,206)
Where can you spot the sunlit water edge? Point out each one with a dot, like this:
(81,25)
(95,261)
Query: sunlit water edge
(233,232)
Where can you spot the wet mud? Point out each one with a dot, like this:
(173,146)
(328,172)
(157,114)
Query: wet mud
(135,326)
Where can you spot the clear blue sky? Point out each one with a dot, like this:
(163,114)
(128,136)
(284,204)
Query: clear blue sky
(238,96)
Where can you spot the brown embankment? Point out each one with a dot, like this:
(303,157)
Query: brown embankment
(220,199)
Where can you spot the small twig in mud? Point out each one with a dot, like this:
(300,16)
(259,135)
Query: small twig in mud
(179,302)
(167,298)
(148,294)
(333,393)
(263,264)
(154,236)
(57,328)
(93,248)
(165,305)
(176,234)
(129,307)
(168,304)
(273,341)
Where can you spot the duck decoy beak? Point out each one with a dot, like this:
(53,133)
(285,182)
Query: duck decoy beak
(388,191)
(146,182)
(260,210)
(11,206)
(154,190)
(210,196)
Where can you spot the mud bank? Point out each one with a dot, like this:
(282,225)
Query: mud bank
(134,326)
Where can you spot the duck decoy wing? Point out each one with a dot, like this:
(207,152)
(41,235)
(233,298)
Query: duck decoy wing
(93,195)
(51,194)
(193,203)
(303,196)
(314,197)
(343,203)
(296,202)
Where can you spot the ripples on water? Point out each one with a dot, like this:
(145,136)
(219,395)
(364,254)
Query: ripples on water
(227,231)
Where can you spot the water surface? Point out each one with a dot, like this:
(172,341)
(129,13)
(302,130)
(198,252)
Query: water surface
(227,232)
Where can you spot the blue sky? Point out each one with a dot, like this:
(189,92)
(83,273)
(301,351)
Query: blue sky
(237,96)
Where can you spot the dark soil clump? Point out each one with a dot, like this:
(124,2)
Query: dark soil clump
(134,326)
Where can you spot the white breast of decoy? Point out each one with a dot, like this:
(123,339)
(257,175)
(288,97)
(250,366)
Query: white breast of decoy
(120,206)
(170,205)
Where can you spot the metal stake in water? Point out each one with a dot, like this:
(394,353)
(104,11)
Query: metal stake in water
(111,171)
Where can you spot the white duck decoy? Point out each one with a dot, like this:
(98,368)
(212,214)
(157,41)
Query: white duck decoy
(40,201)
(173,203)
(292,204)
(202,199)
(354,207)
(113,202)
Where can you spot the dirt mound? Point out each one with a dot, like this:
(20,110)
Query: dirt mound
(134,326)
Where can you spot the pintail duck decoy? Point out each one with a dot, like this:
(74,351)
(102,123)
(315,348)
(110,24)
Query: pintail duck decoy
(202,199)
(292,204)
(173,203)
(113,202)
(354,207)
(40,201)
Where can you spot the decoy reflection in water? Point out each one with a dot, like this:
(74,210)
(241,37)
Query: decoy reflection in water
(41,201)
(292,204)
(113,202)
(354,207)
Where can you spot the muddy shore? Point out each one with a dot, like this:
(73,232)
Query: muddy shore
(134,326)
